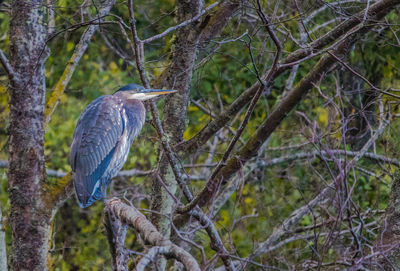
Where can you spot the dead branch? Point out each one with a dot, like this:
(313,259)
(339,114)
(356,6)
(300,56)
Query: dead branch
(3,251)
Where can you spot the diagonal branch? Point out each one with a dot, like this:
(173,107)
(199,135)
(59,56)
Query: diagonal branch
(185,23)
(7,66)
(79,50)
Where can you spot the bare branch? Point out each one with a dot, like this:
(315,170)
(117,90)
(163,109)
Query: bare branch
(195,18)
(139,54)
(151,256)
(3,251)
(253,102)
(7,66)
(131,216)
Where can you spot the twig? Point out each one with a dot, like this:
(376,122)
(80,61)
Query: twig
(173,28)
(3,251)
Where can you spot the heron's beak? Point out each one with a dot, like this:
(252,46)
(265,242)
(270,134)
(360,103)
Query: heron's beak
(159,91)
(146,94)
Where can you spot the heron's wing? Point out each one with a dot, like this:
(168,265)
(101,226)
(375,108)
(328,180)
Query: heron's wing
(96,136)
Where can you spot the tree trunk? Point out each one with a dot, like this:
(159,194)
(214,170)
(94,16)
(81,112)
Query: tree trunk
(178,76)
(29,217)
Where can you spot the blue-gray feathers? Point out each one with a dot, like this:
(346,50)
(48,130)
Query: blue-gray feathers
(101,142)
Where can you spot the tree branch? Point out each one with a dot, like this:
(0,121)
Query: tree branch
(131,216)
(253,102)
(7,66)
(3,251)
(185,23)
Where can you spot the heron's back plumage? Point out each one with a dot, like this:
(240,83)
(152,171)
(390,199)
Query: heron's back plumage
(101,143)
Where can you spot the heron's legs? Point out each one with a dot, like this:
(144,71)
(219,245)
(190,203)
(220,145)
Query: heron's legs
(103,189)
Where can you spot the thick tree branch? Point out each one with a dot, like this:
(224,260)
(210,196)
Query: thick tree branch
(253,102)
(131,216)
(79,50)
(139,54)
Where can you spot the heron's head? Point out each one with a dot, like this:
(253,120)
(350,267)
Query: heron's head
(134,91)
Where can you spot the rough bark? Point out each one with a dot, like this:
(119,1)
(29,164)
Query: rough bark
(129,215)
(178,76)
(29,217)
(116,233)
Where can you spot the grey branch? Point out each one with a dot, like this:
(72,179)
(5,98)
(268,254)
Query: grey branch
(129,215)
(122,173)
(195,18)
(306,155)
(7,66)
(151,257)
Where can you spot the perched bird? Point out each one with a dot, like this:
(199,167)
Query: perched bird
(103,137)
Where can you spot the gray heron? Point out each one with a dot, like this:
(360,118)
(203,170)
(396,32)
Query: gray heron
(102,139)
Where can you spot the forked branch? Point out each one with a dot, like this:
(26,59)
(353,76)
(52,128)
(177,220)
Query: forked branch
(130,216)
